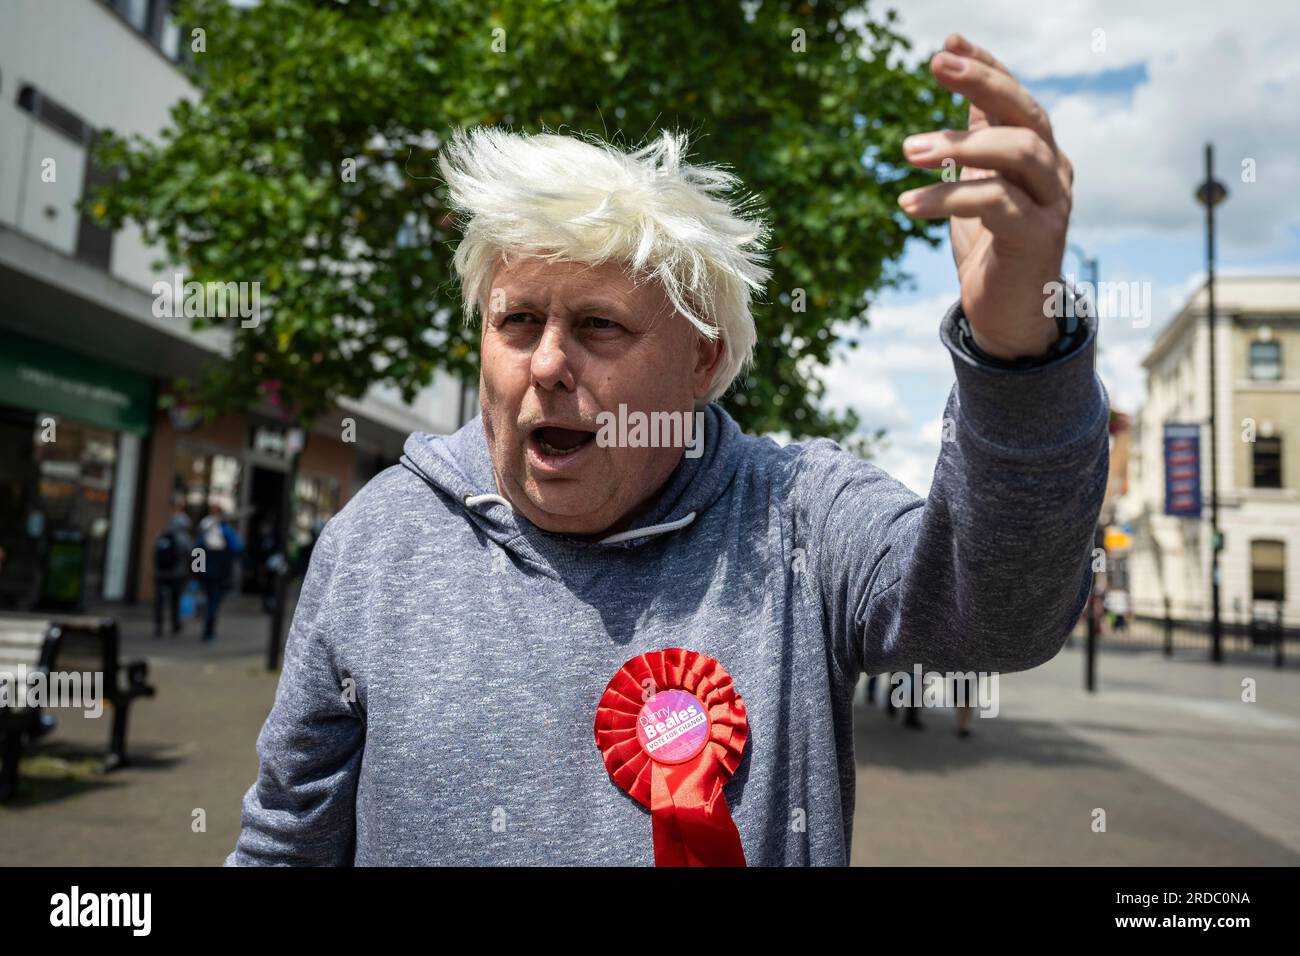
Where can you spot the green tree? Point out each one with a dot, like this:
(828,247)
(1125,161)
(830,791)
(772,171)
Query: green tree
(307,163)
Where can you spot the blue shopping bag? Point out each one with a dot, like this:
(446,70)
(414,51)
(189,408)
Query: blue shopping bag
(189,600)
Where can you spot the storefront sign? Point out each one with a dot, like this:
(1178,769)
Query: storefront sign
(44,378)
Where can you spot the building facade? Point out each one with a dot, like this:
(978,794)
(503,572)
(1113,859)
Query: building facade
(1257,385)
(90,463)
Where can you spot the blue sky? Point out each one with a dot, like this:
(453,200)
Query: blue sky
(1134,92)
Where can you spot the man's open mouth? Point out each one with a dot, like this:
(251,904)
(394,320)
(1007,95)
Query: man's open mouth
(558,442)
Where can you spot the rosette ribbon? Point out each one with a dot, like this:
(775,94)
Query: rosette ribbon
(677,773)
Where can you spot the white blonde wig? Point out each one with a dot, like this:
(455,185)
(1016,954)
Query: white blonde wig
(581,200)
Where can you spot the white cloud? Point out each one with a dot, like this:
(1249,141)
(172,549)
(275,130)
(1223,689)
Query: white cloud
(880,355)
(918,319)
(1224,74)
(874,398)
(911,455)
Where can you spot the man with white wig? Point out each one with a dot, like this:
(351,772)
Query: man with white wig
(701,601)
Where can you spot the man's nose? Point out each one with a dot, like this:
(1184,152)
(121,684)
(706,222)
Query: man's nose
(552,363)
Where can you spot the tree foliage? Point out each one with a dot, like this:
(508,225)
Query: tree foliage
(250,180)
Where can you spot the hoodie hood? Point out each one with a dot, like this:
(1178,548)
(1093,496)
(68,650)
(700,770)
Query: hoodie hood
(458,465)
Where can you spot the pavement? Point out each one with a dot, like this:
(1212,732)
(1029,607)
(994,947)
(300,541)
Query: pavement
(192,750)
(1184,770)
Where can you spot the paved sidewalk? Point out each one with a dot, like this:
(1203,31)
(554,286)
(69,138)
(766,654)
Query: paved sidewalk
(192,748)
(1186,772)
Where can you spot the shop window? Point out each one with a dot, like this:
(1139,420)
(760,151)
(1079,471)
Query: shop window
(21,531)
(1268,570)
(1268,462)
(1266,361)
(206,478)
(318,500)
(74,489)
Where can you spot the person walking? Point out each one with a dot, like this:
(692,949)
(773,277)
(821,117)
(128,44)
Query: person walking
(911,714)
(221,546)
(963,691)
(171,553)
(1117,603)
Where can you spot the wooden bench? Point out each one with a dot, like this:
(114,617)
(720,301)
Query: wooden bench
(67,644)
(26,647)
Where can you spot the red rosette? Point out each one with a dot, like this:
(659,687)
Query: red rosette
(675,761)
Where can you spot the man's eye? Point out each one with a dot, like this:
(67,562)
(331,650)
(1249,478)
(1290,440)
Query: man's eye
(513,316)
(599,323)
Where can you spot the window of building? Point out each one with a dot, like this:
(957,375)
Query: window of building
(56,485)
(318,499)
(54,115)
(94,242)
(204,479)
(1268,570)
(1268,462)
(74,473)
(170,41)
(135,12)
(153,20)
(1266,361)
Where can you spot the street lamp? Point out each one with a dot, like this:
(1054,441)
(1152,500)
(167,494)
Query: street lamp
(1090,263)
(1099,533)
(1209,194)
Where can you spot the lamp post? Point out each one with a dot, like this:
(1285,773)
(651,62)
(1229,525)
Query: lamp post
(1090,263)
(1209,194)
(1099,533)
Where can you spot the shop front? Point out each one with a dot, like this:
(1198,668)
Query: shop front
(240,464)
(72,430)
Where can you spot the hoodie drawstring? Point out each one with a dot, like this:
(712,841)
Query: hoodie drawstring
(648,531)
(475,500)
(472,501)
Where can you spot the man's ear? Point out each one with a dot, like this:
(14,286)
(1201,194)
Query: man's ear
(708,357)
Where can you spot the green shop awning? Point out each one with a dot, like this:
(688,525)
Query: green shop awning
(45,378)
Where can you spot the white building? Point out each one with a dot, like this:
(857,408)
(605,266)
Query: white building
(80,347)
(1257,384)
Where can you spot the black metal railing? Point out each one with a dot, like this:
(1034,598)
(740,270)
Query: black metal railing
(1264,636)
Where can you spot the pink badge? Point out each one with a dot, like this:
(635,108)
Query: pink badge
(673,726)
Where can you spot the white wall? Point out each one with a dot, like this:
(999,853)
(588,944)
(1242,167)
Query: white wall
(87,59)
(84,57)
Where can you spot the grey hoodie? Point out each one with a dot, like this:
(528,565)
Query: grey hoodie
(446,657)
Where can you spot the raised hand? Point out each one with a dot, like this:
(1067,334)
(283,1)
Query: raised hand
(1010,209)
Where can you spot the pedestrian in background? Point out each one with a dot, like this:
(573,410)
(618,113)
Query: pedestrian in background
(911,714)
(171,552)
(221,546)
(963,692)
(1097,608)
(1118,604)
